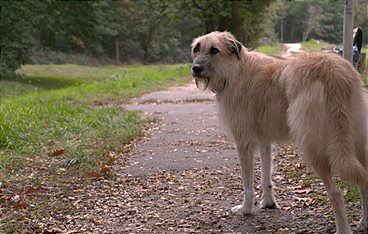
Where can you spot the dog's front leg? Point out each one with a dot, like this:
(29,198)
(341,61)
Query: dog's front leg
(246,156)
(268,198)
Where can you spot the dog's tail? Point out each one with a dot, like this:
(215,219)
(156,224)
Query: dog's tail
(340,145)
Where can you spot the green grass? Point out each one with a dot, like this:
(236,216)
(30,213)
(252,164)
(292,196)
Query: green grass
(11,88)
(314,45)
(272,50)
(54,107)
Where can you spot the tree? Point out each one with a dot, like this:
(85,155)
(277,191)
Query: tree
(68,25)
(18,33)
(361,17)
(313,22)
(125,30)
(113,20)
(242,18)
(303,19)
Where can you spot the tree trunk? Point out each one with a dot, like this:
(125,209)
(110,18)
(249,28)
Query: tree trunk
(237,21)
(117,52)
(145,54)
(348,30)
(282,30)
(293,37)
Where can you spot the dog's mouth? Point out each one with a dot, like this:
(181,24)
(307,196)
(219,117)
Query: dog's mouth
(199,76)
(202,82)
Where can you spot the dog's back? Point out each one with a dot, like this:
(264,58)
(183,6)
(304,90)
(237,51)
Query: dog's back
(327,113)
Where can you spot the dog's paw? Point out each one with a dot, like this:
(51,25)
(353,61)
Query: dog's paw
(344,232)
(362,227)
(241,210)
(269,204)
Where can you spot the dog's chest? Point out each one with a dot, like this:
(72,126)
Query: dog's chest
(261,117)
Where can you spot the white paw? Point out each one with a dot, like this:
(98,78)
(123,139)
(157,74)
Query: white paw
(362,226)
(269,204)
(241,210)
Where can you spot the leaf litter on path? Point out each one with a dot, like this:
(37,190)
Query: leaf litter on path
(186,200)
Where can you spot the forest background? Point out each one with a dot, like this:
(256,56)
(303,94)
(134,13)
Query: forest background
(156,31)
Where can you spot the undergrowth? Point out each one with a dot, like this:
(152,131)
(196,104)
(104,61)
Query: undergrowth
(54,107)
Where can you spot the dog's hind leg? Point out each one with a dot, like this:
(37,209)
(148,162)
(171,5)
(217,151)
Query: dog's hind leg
(307,121)
(246,156)
(363,223)
(359,113)
(268,199)
(360,145)
(360,139)
(336,197)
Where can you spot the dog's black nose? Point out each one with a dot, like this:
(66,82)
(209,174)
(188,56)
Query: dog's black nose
(197,68)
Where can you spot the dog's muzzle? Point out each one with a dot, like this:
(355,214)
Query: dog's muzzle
(197,69)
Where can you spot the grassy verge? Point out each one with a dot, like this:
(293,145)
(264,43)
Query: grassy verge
(55,128)
(30,120)
(272,50)
(314,45)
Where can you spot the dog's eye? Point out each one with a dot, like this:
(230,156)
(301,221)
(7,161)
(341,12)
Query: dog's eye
(196,49)
(214,51)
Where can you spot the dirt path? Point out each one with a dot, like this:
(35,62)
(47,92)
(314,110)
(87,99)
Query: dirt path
(291,49)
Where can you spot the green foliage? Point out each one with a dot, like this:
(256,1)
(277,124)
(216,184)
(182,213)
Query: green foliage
(295,21)
(68,25)
(17,33)
(148,31)
(314,45)
(242,18)
(360,18)
(60,116)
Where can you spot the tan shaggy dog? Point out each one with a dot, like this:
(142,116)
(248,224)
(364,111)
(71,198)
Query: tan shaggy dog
(315,99)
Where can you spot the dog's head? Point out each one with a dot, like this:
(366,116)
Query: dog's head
(214,55)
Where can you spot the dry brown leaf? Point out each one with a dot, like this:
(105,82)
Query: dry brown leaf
(97,221)
(56,152)
(301,191)
(93,174)
(20,205)
(33,190)
(105,169)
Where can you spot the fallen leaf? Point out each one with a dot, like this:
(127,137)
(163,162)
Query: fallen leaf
(93,174)
(299,165)
(97,221)
(105,169)
(304,199)
(15,198)
(111,156)
(20,205)
(56,152)
(33,190)
(301,191)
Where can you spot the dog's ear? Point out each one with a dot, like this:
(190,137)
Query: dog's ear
(234,46)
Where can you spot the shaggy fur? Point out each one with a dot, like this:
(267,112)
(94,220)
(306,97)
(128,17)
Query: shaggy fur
(314,99)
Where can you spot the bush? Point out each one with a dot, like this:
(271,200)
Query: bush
(42,56)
